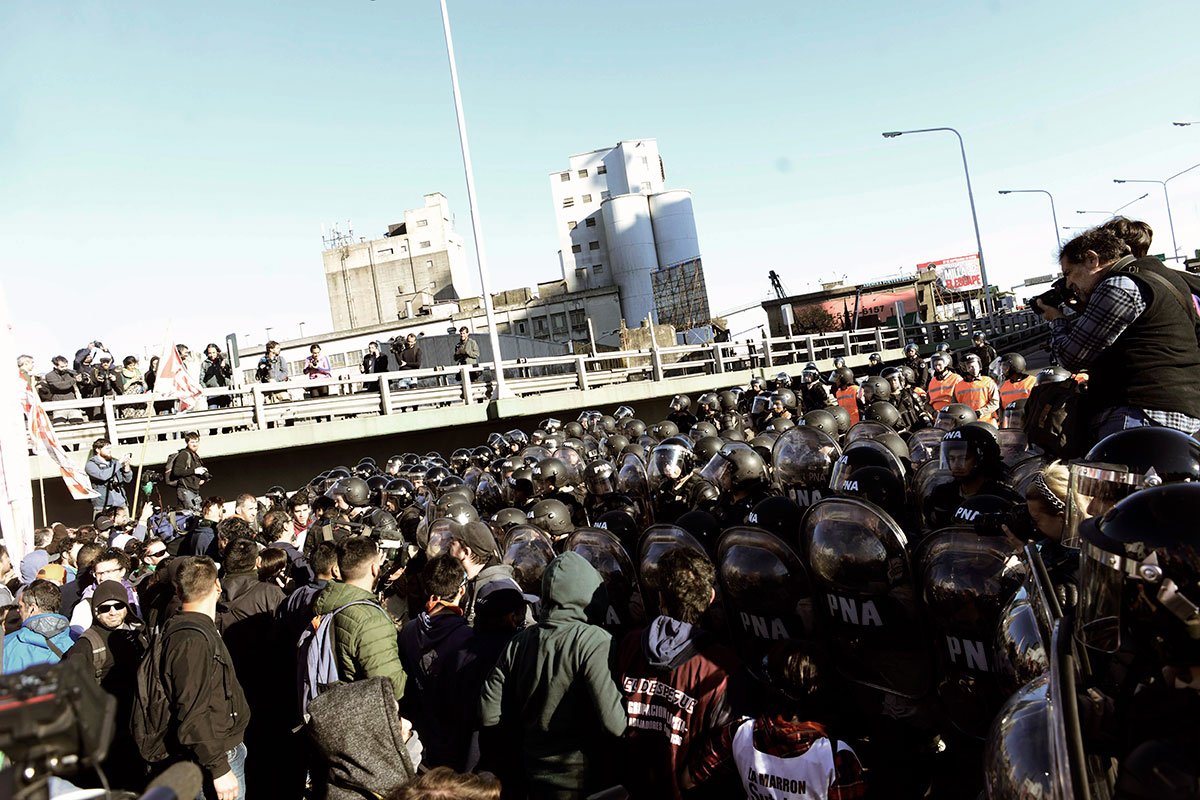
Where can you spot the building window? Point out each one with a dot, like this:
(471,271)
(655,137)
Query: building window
(421,223)
(354,357)
(578,319)
(590,222)
(521,326)
(387,251)
(645,186)
(598,269)
(295,368)
(429,264)
(583,173)
(568,202)
(503,328)
(593,245)
(540,330)
(576,248)
(403,247)
(645,162)
(424,245)
(337,360)
(559,322)
(571,225)
(587,198)
(564,177)
(600,170)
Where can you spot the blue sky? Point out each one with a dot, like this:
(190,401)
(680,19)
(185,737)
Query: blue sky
(175,161)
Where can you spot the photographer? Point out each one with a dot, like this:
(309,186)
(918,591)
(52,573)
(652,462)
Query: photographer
(316,367)
(105,379)
(273,369)
(466,349)
(215,372)
(108,476)
(1137,335)
(188,473)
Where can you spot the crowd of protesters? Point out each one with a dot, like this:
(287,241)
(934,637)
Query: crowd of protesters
(608,607)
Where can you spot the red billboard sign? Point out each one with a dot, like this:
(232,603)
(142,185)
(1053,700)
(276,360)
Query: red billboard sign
(961,274)
(874,307)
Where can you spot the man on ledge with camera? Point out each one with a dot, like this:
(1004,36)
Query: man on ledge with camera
(1136,334)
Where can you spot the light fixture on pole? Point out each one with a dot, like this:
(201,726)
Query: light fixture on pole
(987,293)
(1114,212)
(268,334)
(1185,124)
(476,223)
(1167,199)
(301,330)
(1053,213)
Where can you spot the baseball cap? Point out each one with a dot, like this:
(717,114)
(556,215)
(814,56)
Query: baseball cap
(478,536)
(499,597)
(55,573)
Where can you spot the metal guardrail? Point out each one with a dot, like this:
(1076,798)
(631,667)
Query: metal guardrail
(127,419)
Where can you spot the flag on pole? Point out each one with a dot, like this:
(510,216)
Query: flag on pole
(173,379)
(45,440)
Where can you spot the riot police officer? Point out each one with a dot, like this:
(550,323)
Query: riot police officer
(913,360)
(971,454)
(915,411)
(741,475)
(681,412)
(675,488)
(847,392)
(1017,382)
(941,384)
(814,393)
(977,390)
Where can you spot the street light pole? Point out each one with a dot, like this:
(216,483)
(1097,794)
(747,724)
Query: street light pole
(476,223)
(1113,213)
(1053,213)
(301,330)
(1167,199)
(987,293)
(268,334)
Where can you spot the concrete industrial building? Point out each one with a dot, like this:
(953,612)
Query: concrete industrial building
(370,282)
(619,226)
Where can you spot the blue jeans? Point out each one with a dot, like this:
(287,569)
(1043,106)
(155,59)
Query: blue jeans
(237,763)
(1112,420)
(188,500)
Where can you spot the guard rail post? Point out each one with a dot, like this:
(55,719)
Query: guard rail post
(256,396)
(385,395)
(846,349)
(464,377)
(767,361)
(811,344)
(656,365)
(581,372)
(110,419)
(718,359)
(879,339)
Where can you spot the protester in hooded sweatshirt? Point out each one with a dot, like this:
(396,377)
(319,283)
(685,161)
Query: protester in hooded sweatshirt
(111,565)
(673,652)
(428,646)
(553,681)
(44,636)
(111,650)
(475,547)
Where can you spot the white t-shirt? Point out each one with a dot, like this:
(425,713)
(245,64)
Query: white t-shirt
(807,776)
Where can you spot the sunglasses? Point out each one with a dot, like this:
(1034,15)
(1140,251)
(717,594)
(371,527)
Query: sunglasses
(156,553)
(109,607)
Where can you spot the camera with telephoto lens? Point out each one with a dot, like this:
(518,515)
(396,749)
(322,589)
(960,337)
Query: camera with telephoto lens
(1057,296)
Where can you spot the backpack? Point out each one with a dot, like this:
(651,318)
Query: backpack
(317,664)
(1056,419)
(151,715)
(170,525)
(168,478)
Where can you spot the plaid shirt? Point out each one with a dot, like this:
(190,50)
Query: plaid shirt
(1112,308)
(778,736)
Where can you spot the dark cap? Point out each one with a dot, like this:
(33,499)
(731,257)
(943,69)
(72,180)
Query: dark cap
(103,524)
(108,591)
(478,537)
(500,597)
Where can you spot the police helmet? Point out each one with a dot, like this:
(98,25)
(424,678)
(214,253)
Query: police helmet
(845,376)
(986,513)
(614,443)
(550,425)
(896,377)
(876,388)
(633,428)
(736,466)
(600,478)
(842,417)
(460,459)
(1014,362)
(573,430)
(783,380)
(507,518)
(972,366)
(911,349)
(955,415)
(878,485)
(971,442)
(702,429)
(733,434)
(729,399)
(942,347)
(607,423)
(354,490)
(706,447)
(681,402)
(553,517)
(1054,374)
(393,465)
(810,374)
(710,402)
(822,420)
(781,424)
(875,359)
(882,412)
(382,521)
(400,491)
(664,430)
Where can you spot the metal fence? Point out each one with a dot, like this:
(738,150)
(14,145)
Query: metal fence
(130,419)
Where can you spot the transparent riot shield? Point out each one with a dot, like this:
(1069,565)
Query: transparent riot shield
(803,460)
(656,540)
(602,550)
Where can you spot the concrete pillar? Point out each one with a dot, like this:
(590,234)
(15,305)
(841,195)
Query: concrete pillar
(260,418)
(464,378)
(581,372)
(110,419)
(879,339)
(811,344)
(846,351)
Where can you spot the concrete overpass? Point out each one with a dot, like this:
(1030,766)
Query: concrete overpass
(257,442)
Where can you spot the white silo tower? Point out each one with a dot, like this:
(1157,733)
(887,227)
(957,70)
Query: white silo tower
(630,234)
(674,227)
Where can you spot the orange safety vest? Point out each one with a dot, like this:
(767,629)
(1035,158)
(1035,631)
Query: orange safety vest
(976,394)
(1012,391)
(941,390)
(847,398)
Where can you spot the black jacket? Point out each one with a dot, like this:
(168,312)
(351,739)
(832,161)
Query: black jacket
(208,708)
(372,364)
(409,358)
(184,470)
(61,384)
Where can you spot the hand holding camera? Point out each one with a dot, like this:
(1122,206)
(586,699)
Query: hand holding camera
(1051,303)
(201,470)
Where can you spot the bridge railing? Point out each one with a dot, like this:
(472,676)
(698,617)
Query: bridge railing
(126,419)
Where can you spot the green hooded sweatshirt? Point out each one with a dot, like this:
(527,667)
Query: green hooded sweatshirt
(554,681)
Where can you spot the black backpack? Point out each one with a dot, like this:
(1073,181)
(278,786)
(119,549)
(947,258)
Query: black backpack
(1057,417)
(151,714)
(168,478)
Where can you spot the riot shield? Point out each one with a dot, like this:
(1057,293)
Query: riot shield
(966,580)
(633,482)
(602,550)
(803,459)
(1014,445)
(441,533)
(1022,645)
(533,454)
(528,551)
(765,588)
(928,478)
(865,453)
(1018,763)
(865,596)
(656,540)
(574,463)
(925,445)
(1022,473)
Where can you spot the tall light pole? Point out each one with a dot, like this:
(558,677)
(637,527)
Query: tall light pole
(301,330)
(1167,199)
(476,223)
(1053,213)
(987,293)
(268,335)
(1113,213)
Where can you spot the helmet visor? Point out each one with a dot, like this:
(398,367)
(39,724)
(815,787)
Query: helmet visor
(601,480)
(1014,445)
(1092,489)
(804,457)
(1101,580)
(959,458)
(760,405)
(719,472)
(925,445)
(669,463)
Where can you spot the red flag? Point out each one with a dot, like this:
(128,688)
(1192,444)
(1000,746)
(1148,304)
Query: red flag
(44,439)
(174,381)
